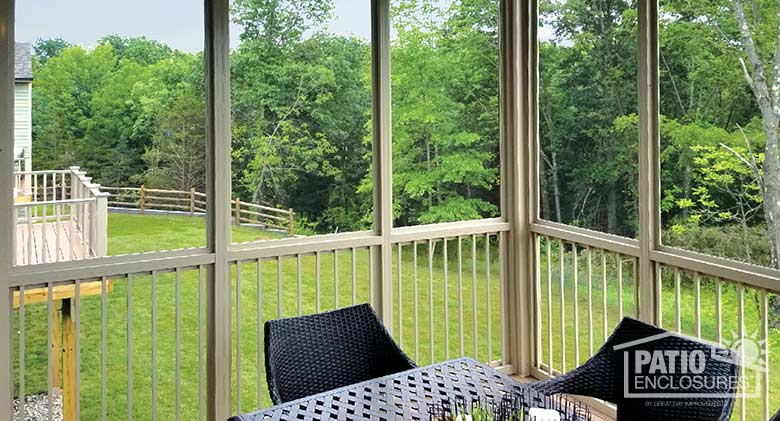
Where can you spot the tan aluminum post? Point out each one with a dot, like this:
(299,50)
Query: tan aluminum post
(518,141)
(218,193)
(381,272)
(649,164)
(7,227)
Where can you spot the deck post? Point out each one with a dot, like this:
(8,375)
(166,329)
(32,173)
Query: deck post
(101,225)
(142,198)
(56,346)
(68,362)
(192,201)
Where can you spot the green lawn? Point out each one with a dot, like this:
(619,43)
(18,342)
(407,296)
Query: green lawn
(135,233)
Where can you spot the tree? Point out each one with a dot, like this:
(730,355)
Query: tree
(443,161)
(177,157)
(44,49)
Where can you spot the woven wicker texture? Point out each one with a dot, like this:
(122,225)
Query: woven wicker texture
(407,395)
(602,377)
(312,354)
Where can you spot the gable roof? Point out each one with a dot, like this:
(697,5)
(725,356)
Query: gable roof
(23,62)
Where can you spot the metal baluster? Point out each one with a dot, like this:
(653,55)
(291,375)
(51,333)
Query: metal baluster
(103,352)
(677,300)
(548,249)
(238,338)
(697,303)
(460,295)
(354,276)
(299,271)
(430,296)
(446,301)
(336,278)
(562,276)
(575,267)
(154,345)
(317,299)
(416,305)
(129,301)
(259,301)
(399,267)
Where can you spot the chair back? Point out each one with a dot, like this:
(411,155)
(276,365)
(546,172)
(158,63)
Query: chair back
(607,374)
(312,354)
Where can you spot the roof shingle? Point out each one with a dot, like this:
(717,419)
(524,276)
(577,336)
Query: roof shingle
(23,62)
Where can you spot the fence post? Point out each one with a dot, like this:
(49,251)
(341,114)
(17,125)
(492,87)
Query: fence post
(292,223)
(238,211)
(192,201)
(142,195)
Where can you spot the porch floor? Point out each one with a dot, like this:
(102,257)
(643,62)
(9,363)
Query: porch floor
(48,242)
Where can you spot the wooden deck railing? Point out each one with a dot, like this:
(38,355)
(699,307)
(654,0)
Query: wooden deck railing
(194,202)
(60,215)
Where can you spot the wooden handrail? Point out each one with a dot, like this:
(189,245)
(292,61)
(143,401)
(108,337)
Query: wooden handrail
(193,202)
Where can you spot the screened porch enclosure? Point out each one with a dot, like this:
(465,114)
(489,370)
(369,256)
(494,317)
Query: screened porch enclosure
(179,334)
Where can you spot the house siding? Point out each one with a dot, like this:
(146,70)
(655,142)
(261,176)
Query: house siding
(23,120)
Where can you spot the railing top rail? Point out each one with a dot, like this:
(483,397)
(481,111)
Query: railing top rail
(54,202)
(267,208)
(41,172)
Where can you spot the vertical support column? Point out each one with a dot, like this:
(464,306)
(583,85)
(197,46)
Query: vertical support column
(218,189)
(382,289)
(7,228)
(518,177)
(649,164)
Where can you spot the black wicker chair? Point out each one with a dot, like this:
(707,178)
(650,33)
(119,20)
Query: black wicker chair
(312,354)
(603,377)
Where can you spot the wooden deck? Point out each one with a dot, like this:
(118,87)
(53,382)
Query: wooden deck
(48,243)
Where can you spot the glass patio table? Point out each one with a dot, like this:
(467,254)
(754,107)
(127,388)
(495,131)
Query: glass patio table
(411,395)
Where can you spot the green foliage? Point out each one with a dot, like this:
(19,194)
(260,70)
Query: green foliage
(445,109)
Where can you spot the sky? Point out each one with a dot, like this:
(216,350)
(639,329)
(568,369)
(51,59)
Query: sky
(178,23)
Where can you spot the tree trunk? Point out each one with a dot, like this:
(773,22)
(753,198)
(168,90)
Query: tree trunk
(612,210)
(556,188)
(544,195)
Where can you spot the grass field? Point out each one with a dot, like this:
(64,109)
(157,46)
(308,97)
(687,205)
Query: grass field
(134,233)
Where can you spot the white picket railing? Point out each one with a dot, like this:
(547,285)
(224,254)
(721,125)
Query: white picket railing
(60,215)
